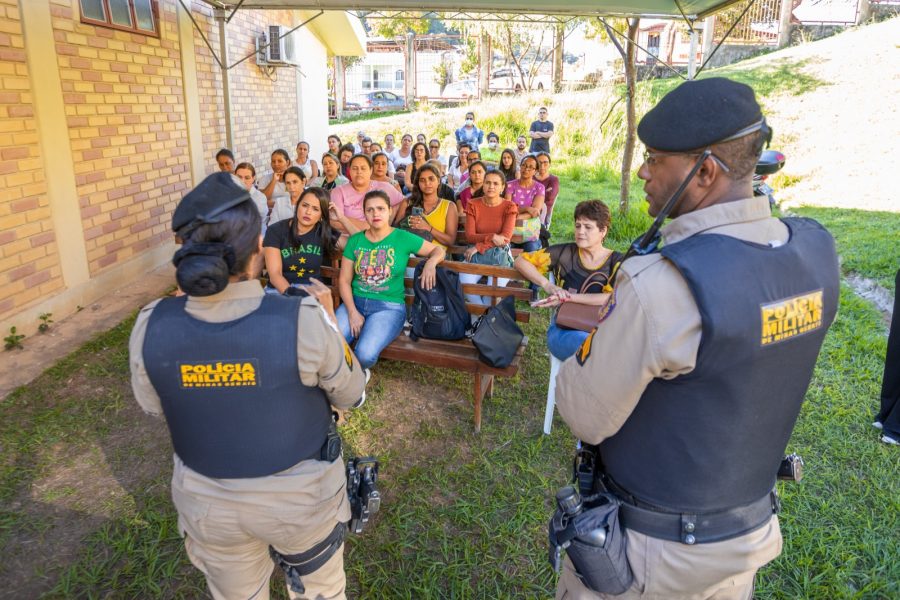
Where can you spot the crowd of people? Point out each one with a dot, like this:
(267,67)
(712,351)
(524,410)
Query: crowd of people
(700,351)
(316,213)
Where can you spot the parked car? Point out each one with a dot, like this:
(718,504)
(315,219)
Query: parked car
(465,89)
(508,81)
(382,101)
(348,107)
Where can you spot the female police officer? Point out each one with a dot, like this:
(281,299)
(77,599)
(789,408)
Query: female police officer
(246,400)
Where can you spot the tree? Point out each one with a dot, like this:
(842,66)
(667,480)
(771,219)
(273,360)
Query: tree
(610,30)
(394,27)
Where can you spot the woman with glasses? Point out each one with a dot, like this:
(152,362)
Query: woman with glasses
(434,153)
(550,183)
(528,195)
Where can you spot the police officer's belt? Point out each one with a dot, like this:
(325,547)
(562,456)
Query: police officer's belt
(695,528)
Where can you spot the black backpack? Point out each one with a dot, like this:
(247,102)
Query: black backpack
(439,313)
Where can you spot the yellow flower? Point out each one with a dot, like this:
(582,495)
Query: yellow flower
(540,259)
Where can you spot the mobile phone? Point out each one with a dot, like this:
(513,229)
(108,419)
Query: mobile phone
(418,211)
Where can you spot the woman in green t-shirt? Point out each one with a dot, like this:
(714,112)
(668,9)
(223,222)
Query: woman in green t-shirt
(373,307)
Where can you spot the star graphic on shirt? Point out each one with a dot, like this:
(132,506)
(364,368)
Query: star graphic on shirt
(293,267)
(301,272)
(302,260)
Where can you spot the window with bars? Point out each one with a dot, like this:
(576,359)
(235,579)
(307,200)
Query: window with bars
(138,16)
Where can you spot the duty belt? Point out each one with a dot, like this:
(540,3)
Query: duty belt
(695,528)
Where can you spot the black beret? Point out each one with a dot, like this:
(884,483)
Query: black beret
(699,113)
(215,194)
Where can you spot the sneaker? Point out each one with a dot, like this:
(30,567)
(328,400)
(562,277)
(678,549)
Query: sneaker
(890,441)
(877,425)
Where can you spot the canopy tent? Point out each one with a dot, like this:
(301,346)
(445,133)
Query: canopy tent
(687,9)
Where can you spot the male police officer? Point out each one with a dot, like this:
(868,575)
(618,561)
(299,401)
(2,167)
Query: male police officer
(692,382)
(246,400)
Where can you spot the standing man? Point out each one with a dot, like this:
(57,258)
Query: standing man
(692,382)
(469,133)
(888,420)
(541,131)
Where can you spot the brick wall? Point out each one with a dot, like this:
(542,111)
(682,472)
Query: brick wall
(123,98)
(29,265)
(264,106)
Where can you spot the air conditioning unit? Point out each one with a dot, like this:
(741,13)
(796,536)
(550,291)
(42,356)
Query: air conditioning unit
(281,48)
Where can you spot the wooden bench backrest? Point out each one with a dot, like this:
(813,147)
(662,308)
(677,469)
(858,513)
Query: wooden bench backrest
(518,289)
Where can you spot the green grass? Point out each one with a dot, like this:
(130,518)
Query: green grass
(366,116)
(867,240)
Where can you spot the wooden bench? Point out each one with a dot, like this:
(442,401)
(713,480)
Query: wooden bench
(460,355)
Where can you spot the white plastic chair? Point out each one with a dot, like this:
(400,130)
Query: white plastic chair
(551,394)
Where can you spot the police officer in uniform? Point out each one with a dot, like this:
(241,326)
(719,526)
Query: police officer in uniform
(247,383)
(692,382)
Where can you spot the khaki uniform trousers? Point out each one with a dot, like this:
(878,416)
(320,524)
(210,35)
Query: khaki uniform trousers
(228,525)
(665,570)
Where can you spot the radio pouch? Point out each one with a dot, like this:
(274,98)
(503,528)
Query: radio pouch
(602,567)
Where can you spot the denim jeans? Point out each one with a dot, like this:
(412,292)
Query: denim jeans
(563,343)
(384,322)
(531,246)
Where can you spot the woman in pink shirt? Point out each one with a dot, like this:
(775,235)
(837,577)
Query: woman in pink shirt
(528,195)
(349,197)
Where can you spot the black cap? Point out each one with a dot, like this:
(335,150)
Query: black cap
(700,113)
(203,204)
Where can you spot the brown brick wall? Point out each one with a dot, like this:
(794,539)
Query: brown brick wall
(29,264)
(264,107)
(123,99)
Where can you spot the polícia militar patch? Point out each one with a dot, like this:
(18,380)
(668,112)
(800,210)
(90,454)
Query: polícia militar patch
(788,318)
(237,373)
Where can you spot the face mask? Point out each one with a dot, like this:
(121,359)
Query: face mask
(470,122)
(493,145)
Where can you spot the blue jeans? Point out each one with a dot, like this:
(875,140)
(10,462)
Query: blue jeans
(531,246)
(563,343)
(384,322)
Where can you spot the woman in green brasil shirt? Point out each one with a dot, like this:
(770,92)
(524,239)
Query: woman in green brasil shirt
(371,283)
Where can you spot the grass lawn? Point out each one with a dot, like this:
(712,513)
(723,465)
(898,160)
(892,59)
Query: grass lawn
(84,474)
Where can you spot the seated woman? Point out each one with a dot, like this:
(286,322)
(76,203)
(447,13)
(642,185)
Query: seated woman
(528,196)
(508,165)
(381,169)
(344,155)
(571,264)
(490,221)
(334,144)
(419,157)
(247,174)
(295,249)
(373,307)
(272,184)
(458,166)
(477,171)
(331,176)
(550,183)
(285,205)
(349,197)
(306,164)
(425,211)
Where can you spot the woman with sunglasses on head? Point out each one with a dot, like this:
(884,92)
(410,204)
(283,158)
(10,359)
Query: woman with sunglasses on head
(284,207)
(372,279)
(349,197)
(424,210)
(528,195)
(295,249)
(331,173)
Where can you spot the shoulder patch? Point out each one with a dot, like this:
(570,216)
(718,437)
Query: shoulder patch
(585,351)
(607,308)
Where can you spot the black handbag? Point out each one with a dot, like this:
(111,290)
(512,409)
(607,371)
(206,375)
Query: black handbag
(496,335)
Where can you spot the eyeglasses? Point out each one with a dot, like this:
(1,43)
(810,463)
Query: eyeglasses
(435,147)
(651,157)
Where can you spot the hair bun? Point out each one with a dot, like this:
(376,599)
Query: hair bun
(202,269)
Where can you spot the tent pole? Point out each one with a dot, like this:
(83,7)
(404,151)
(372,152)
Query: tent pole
(692,57)
(221,17)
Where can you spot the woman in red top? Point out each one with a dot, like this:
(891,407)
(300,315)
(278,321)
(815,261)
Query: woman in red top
(490,221)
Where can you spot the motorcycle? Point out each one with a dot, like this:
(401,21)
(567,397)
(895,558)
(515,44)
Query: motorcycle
(769,163)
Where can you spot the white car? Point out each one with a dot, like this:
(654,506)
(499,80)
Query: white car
(465,89)
(508,81)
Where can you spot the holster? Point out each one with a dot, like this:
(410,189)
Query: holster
(296,566)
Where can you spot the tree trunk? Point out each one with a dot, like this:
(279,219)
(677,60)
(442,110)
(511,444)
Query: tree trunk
(558,49)
(485,56)
(628,152)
